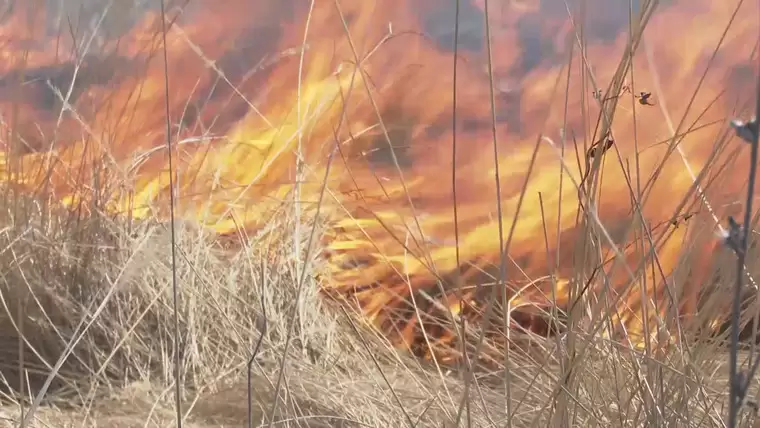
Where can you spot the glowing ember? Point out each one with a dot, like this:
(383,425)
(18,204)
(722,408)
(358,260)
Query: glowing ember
(369,83)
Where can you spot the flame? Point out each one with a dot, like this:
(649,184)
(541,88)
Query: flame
(359,94)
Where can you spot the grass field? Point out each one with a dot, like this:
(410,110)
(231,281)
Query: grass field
(98,310)
(109,302)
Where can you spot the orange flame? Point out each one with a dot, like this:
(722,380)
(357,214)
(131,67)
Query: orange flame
(369,84)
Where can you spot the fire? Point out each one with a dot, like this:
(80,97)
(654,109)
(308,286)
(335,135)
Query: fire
(359,94)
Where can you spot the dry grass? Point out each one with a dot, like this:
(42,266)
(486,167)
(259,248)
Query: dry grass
(117,283)
(87,322)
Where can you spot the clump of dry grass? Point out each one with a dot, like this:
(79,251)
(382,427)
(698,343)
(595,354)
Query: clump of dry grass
(105,285)
(112,288)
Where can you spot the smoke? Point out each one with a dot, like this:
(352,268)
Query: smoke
(105,20)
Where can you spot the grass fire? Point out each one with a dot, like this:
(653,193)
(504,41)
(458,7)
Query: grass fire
(489,194)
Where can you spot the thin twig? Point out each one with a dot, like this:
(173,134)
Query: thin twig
(738,384)
(172,202)
(458,274)
(251,360)
(497,181)
(299,286)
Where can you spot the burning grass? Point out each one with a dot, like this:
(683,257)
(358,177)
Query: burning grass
(91,329)
(97,293)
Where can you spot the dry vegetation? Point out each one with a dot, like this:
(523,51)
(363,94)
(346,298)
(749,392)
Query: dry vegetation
(95,290)
(87,323)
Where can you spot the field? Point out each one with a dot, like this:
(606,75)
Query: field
(370,230)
